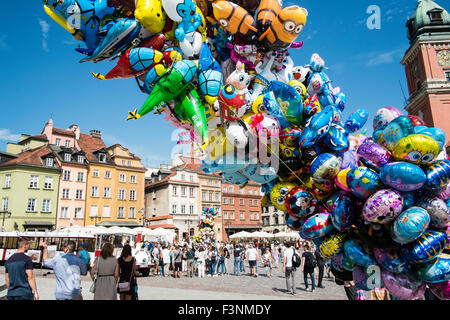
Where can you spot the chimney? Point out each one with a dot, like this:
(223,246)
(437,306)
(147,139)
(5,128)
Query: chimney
(75,129)
(96,134)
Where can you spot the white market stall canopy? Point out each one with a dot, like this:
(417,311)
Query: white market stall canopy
(242,234)
(261,234)
(292,234)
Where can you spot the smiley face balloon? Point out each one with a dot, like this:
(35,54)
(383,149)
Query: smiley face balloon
(416,148)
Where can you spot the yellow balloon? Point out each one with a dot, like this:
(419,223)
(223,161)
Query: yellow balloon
(332,245)
(417,149)
(258,105)
(300,87)
(279,193)
(151,15)
(218,143)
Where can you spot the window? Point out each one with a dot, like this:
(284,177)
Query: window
(132,213)
(107,174)
(242,215)
(64,213)
(250,202)
(183,191)
(231,189)
(5,204)
(225,215)
(204,182)
(225,200)
(183,209)
(102,157)
(224,189)
(132,195)
(275,218)
(183,176)
(191,192)
(447,75)
(210,182)
(174,190)
(8,181)
(121,194)
(121,213)
(251,215)
(191,209)
(48,183)
(58,142)
(67,157)
(250,191)
(95,173)
(191,178)
(122,178)
(210,195)
(232,215)
(80,159)
(79,194)
(80,177)
(46,204)
(106,192)
(241,202)
(66,175)
(31,205)
(435,16)
(124,162)
(132,179)
(217,197)
(174,209)
(94,211)
(65,194)
(49,162)
(232,201)
(34,182)
(78,213)
(203,195)
(94,192)
(256,215)
(217,183)
(106,212)
(255,202)
(129,163)
(154,212)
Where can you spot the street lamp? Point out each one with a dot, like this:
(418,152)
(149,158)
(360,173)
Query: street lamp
(5,213)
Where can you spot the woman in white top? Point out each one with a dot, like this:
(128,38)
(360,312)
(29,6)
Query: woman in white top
(267,261)
(201,262)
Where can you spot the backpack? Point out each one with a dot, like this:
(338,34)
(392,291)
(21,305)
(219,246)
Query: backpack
(213,256)
(310,261)
(296,261)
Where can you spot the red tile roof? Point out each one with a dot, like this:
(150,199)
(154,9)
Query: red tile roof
(159,218)
(32,157)
(89,143)
(63,132)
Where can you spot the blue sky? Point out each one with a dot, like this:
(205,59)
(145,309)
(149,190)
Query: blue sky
(42,78)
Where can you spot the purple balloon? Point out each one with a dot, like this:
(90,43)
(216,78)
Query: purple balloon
(403,285)
(374,155)
(441,289)
(444,194)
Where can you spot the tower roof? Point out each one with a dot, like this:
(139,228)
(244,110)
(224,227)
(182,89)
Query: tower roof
(429,18)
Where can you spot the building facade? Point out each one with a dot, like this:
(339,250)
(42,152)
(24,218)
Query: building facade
(241,209)
(273,220)
(29,191)
(427,64)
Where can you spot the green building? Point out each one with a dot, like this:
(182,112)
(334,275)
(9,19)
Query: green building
(29,185)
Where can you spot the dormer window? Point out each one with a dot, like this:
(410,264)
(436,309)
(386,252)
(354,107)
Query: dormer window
(102,157)
(67,157)
(49,162)
(80,159)
(435,16)
(58,142)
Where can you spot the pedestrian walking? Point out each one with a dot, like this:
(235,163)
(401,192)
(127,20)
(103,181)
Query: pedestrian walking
(85,256)
(243,255)
(189,254)
(107,270)
(289,269)
(237,260)
(267,262)
(68,269)
(127,274)
(321,266)
(252,258)
(226,249)
(213,260)
(275,256)
(19,277)
(201,260)
(308,265)
(221,263)
(177,264)
(165,260)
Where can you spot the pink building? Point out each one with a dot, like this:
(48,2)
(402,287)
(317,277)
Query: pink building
(427,65)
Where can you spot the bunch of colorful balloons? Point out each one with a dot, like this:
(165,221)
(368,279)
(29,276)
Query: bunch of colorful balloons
(206,235)
(222,70)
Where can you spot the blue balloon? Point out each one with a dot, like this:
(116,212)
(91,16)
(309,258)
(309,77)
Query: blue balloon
(410,225)
(403,176)
(435,133)
(437,270)
(325,166)
(343,212)
(363,182)
(391,261)
(425,248)
(337,138)
(357,120)
(317,226)
(357,254)
(438,175)
(408,199)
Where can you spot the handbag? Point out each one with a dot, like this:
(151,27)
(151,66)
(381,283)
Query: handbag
(92,288)
(126,286)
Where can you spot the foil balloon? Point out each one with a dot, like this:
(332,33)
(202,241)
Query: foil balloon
(441,289)
(293,222)
(396,130)
(337,139)
(151,15)
(384,116)
(325,166)
(332,244)
(435,133)
(416,148)
(435,271)
(343,212)
(362,279)
(363,182)
(404,286)
(438,211)
(300,202)
(403,176)
(408,199)
(425,248)
(354,250)
(317,226)
(390,260)
(415,120)
(341,180)
(373,155)
(438,175)
(410,225)
(316,127)
(356,120)
(290,101)
(279,193)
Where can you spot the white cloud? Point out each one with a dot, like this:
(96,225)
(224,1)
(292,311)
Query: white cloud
(6,135)
(45,28)
(379,58)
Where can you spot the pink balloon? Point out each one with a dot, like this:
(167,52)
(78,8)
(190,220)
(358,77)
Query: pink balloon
(441,289)
(402,286)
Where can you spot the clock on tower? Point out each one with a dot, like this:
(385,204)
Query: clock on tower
(444,57)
